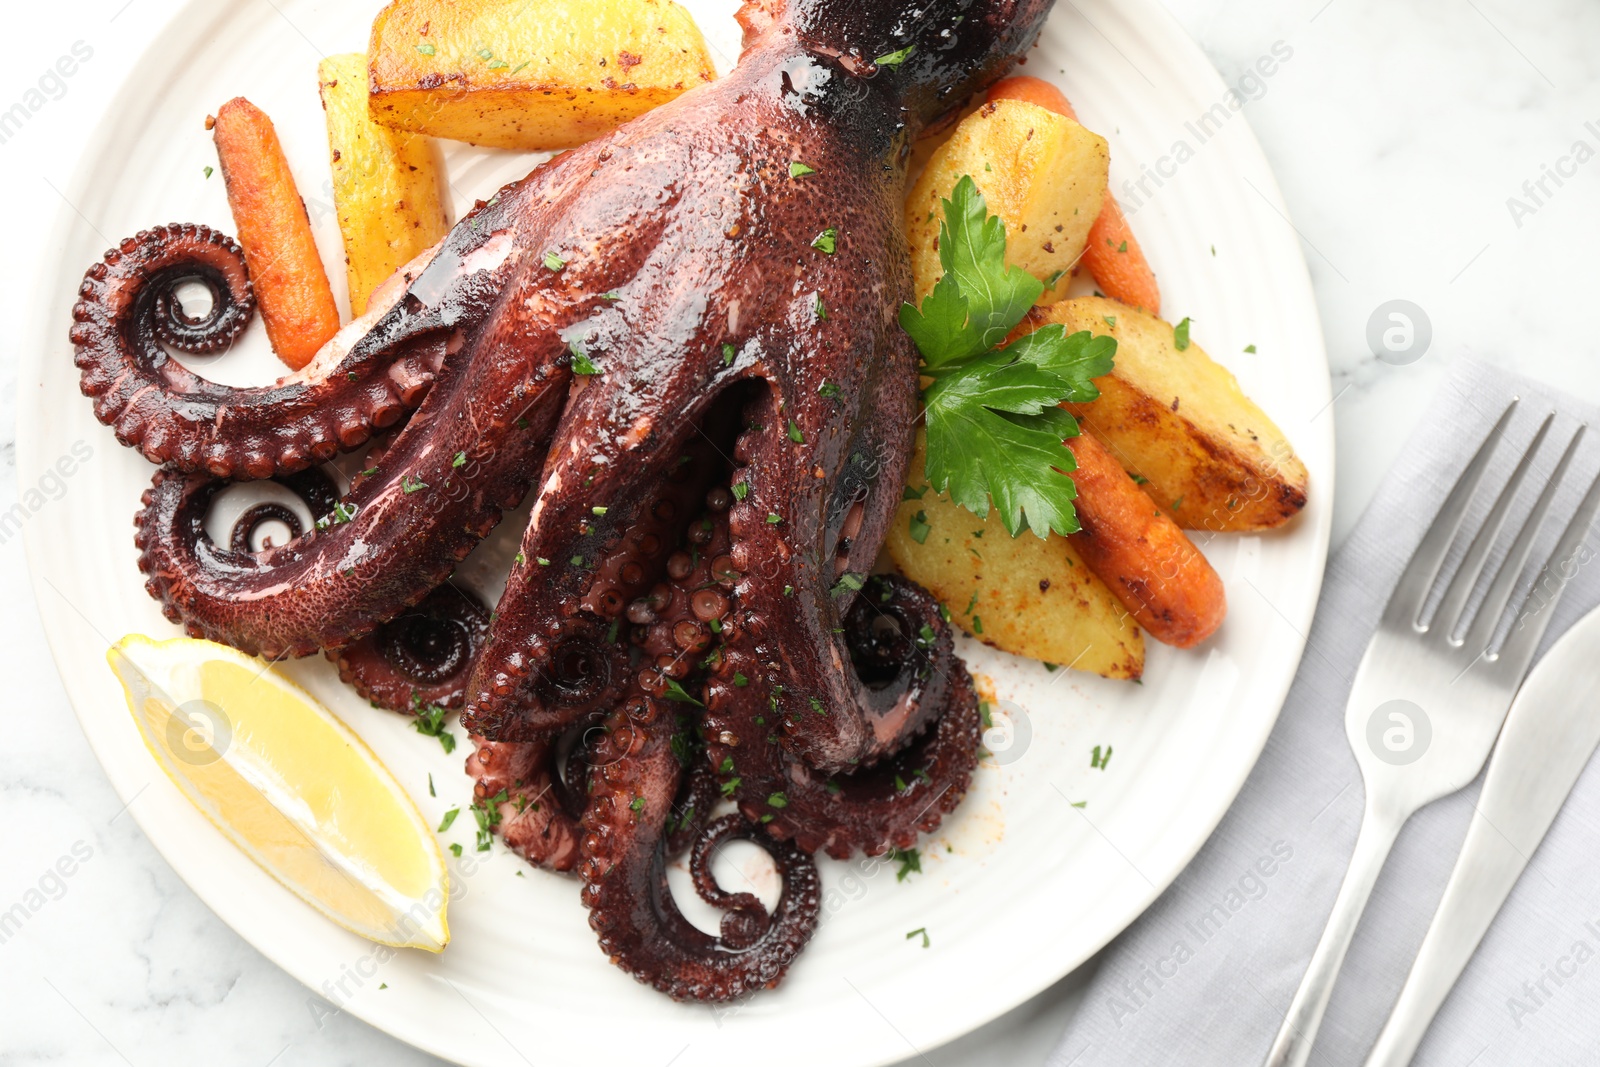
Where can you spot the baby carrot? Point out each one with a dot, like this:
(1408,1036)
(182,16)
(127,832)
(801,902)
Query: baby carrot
(291,286)
(1113,254)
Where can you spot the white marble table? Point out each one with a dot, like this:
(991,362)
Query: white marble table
(1400,134)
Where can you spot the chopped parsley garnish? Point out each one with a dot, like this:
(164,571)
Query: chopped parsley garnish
(431,793)
(798,169)
(598,511)
(729,786)
(778,800)
(773,518)
(741,490)
(795,435)
(826,241)
(1098,760)
(829,390)
(498,64)
(455,849)
(727,354)
(977,625)
(740,680)
(553,261)
(1180,335)
(1139,479)
(995,429)
(484,53)
(638,804)
(341,513)
(582,364)
(1250,349)
(894,59)
(519,559)
(459,461)
(923,930)
(847,581)
(576,561)
(541,561)
(426,48)
(430,723)
(411,483)
(449,819)
(910,861)
(209,172)
(487,814)
(821,308)
(680,694)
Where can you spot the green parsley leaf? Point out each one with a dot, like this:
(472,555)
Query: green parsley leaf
(430,723)
(778,800)
(773,518)
(460,460)
(638,804)
(678,693)
(209,172)
(923,930)
(910,861)
(740,680)
(821,309)
(411,483)
(798,169)
(727,354)
(553,261)
(795,435)
(995,429)
(847,581)
(894,59)
(1250,349)
(829,390)
(455,849)
(582,364)
(449,819)
(920,529)
(741,490)
(826,241)
(1180,335)
(426,48)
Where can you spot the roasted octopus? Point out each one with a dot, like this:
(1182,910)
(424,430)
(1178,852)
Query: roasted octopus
(682,337)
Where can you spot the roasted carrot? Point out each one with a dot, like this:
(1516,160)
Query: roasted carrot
(1141,554)
(1113,254)
(290,283)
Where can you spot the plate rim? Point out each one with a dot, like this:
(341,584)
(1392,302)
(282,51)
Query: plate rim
(1160,23)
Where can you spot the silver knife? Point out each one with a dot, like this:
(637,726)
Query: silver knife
(1549,734)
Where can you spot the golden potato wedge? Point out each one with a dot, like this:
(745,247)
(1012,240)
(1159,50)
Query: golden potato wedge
(529,74)
(1040,172)
(1032,597)
(385,183)
(1178,420)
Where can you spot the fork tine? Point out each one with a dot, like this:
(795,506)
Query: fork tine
(1533,618)
(1411,591)
(1505,580)
(1466,576)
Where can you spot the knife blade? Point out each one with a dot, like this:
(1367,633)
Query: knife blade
(1550,732)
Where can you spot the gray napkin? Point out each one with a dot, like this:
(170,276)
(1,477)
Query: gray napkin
(1205,976)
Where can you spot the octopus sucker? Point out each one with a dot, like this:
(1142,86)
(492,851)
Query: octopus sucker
(712,412)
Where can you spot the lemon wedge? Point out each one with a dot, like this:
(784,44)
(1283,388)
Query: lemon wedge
(290,784)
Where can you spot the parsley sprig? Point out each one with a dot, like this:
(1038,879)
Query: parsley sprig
(995,428)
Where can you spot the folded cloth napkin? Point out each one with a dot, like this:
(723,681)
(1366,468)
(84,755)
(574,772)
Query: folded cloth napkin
(1205,976)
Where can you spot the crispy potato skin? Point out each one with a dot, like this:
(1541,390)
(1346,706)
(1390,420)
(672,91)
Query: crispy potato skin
(529,74)
(291,285)
(1212,459)
(1024,595)
(1152,567)
(385,183)
(1042,173)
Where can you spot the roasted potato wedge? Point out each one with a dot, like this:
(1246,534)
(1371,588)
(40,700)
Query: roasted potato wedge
(1040,172)
(290,283)
(385,182)
(1025,595)
(529,74)
(1178,421)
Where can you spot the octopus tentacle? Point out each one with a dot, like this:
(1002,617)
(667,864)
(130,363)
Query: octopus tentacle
(537,808)
(127,306)
(556,649)
(803,540)
(625,884)
(420,657)
(462,459)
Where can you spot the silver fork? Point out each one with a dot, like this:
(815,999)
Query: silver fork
(1428,701)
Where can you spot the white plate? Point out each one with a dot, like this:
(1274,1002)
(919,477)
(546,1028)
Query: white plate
(1019,889)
